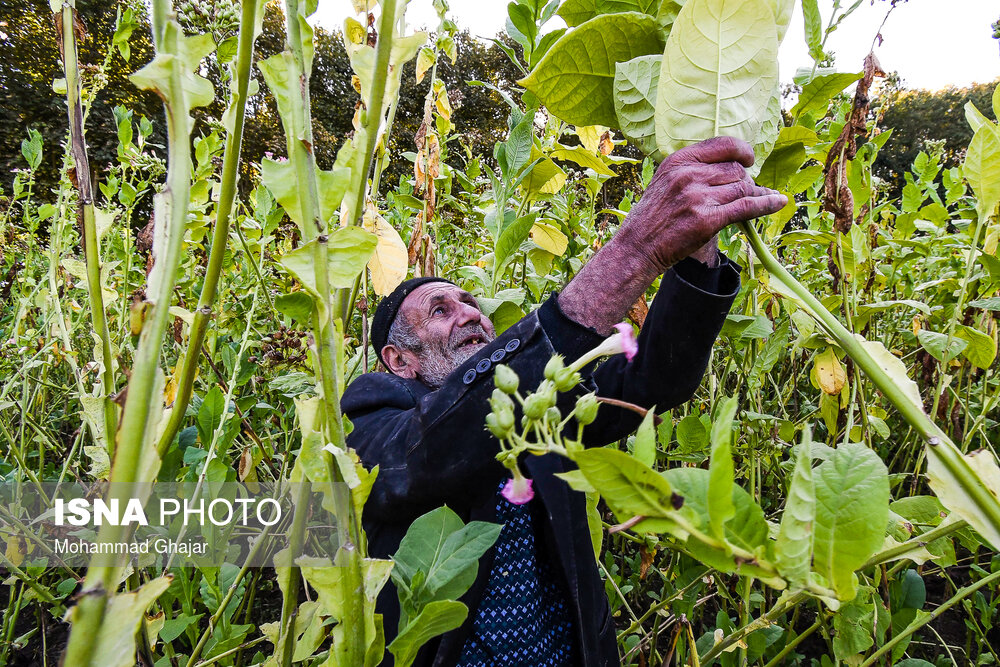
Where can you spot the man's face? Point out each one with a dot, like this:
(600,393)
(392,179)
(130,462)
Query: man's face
(450,326)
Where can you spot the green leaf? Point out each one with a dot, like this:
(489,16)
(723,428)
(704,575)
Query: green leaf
(981,350)
(546,176)
(435,619)
(747,530)
(510,241)
(575,12)
(629,487)
(350,249)
(982,168)
(975,117)
(213,407)
(780,165)
(195,90)
(935,344)
(444,552)
(584,158)
(816,94)
(519,143)
(813,28)
(635,99)
(793,549)
(854,625)
(644,447)
(282,180)
(575,79)
(692,436)
(115,643)
(722,474)
(852,509)
(297,305)
(719,71)
(992,303)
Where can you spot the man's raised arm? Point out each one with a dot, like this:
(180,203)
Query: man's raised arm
(694,193)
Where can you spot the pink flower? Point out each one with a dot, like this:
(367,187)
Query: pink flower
(518,489)
(629,344)
(621,342)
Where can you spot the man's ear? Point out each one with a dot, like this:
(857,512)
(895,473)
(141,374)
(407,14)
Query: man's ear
(401,362)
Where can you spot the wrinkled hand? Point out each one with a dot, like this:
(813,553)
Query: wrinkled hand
(695,193)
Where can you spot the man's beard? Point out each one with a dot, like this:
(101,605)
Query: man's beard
(439,359)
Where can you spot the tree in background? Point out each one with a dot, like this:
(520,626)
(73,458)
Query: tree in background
(29,64)
(918,117)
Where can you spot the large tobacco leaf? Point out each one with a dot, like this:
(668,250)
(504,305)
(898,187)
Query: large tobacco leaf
(575,79)
(718,74)
(635,99)
(575,12)
(852,509)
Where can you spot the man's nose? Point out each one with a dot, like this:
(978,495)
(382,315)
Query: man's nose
(468,314)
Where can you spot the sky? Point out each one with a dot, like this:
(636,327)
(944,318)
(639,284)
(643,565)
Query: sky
(931,43)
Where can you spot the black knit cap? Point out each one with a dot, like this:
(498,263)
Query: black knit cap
(385,313)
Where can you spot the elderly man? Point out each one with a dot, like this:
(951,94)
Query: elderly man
(538,599)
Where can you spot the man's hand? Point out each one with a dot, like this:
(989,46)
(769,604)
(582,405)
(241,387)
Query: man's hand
(695,193)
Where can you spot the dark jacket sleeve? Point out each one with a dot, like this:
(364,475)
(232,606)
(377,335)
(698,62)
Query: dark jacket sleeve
(675,344)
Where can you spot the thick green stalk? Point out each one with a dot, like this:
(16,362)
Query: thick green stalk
(220,234)
(78,148)
(938,443)
(915,543)
(102,579)
(373,119)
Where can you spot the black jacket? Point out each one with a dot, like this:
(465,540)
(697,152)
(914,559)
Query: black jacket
(432,447)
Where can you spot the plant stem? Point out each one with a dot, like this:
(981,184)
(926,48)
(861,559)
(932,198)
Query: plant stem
(920,622)
(102,576)
(78,149)
(762,622)
(915,543)
(790,646)
(220,234)
(938,443)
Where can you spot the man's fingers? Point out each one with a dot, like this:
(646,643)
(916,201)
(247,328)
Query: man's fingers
(745,187)
(717,149)
(748,208)
(725,173)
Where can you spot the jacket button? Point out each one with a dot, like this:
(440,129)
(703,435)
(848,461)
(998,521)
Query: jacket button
(483,365)
(512,345)
(469,377)
(498,356)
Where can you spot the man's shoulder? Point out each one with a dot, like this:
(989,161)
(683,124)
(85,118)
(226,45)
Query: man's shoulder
(372,391)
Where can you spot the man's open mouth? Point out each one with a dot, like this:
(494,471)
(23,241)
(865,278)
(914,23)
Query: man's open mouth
(472,340)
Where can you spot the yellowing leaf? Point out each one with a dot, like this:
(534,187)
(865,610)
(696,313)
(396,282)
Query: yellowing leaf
(719,70)
(546,176)
(830,375)
(584,158)
(389,261)
(951,490)
(425,60)
(350,250)
(590,136)
(550,238)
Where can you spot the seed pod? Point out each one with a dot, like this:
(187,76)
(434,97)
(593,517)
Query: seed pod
(535,406)
(566,379)
(500,401)
(493,424)
(505,379)
(553,416)
(553,367)
(586,409)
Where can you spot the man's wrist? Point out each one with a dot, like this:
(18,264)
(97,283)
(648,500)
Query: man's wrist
(709,254)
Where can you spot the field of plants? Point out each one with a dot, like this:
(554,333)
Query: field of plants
(187,314)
